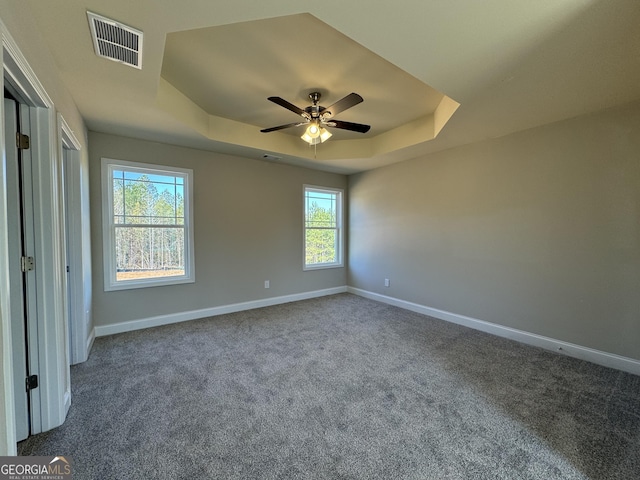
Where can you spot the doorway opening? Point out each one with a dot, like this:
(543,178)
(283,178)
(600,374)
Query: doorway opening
(21,241)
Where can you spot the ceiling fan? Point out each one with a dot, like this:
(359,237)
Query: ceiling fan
(317,117)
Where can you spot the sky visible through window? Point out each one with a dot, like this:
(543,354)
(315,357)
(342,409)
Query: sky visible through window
(170,183)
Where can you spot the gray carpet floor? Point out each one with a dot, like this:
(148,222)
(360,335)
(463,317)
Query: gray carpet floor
(341,387)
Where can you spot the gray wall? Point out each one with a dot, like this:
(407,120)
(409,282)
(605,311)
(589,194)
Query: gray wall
(539,231)
(248,229)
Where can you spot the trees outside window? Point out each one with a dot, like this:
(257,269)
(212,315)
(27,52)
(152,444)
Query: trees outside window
(147,225)
(322,227)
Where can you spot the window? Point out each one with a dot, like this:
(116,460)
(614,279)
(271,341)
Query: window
(322,227)
(147,225)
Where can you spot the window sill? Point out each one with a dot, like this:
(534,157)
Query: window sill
(130,285)
(322,266)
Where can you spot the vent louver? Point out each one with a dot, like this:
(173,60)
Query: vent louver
(116,41)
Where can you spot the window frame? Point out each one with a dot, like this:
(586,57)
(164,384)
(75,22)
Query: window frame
(339,263)
(108,165)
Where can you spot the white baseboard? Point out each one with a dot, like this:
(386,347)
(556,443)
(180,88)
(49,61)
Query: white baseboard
(102,330)
(577,351)
(90,341)
(67,402)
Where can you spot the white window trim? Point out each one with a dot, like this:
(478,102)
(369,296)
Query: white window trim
(108,231)
(340,215)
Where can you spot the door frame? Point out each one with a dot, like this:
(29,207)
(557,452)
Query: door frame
(73,223)
(53,369)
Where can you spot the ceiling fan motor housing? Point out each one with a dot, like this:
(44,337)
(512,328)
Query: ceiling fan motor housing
(314,110)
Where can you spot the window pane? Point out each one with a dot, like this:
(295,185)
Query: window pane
(320,246)
(321,210)
(147,199)
(118,199)
(149,252)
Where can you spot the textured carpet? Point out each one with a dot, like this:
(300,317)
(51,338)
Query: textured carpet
(341,387)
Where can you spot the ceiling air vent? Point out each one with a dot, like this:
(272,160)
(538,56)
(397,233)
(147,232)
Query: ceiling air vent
(116,41)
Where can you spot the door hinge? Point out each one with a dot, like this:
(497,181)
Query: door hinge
(27,264)
(22,141)
(32,382)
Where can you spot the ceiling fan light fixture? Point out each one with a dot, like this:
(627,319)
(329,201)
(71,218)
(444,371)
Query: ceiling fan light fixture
(320,135)
(310,140)
(325,134)
(313,130)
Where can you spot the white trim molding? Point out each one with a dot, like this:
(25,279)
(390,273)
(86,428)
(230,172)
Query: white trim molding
(572,350)
(75,213)
(7,405)
(48,358)
(109,225)
(103,330)
(90,340)
(339,228)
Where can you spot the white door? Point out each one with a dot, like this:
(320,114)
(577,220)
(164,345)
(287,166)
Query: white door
(19,233)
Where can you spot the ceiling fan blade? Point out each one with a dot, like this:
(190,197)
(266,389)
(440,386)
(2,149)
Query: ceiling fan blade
(289,106)
(354,127)
(282,127)
(349,101)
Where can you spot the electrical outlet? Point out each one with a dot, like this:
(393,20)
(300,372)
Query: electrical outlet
(266,284)
(387,282)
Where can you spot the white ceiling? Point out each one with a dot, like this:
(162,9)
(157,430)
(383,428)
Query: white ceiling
(510,64)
